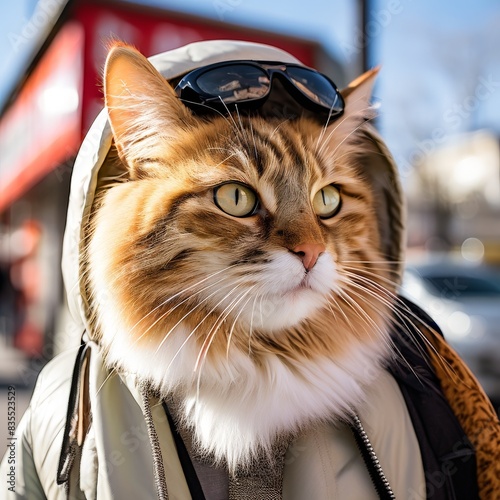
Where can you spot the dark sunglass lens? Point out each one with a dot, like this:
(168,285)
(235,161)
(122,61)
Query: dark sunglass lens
(315,86)
(234,83)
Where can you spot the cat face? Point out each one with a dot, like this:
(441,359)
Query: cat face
(234,232)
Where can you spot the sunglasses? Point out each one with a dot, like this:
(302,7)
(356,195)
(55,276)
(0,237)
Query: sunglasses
(246,85)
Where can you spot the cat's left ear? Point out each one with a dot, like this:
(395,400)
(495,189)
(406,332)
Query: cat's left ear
(357,94)
(144,111)
(357,97)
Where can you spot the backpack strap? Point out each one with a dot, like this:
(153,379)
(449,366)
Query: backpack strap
(187,465)
(448,456)
(78,419)
(474,412)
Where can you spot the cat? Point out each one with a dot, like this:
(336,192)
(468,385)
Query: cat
(242,261)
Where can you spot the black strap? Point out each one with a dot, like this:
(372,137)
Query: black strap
(445,448)
(69,443)
(187,465)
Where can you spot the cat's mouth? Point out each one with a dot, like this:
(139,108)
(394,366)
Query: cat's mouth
(309,278)
(306,281)
(303,285)
(287,293)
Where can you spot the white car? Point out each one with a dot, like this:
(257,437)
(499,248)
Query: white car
(465,302)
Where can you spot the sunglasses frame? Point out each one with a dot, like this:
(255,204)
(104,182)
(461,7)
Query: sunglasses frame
(201,102)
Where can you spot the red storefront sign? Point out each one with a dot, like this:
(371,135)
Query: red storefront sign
(155,31)
(43,126)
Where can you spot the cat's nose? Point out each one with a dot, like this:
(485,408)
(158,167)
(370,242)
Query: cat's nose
(309,253)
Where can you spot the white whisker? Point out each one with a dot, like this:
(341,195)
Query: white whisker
(403,315)
(203,353)
(199,304)
(196,327)
(234,323)
(340,309)
(251,327)
(221,318)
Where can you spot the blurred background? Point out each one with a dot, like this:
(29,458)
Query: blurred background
(438,95)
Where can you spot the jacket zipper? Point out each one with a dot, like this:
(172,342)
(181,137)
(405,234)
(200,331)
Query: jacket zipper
(371,460)
(158,465)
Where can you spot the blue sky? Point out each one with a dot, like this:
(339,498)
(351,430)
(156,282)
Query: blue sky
(441,70)
(435,55)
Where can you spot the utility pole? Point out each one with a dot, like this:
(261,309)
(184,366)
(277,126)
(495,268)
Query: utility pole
(364,13)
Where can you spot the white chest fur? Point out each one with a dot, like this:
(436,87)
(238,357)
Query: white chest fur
(237,408)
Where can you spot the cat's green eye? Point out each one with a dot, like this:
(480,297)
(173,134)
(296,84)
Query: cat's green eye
(326,201)
(235,199)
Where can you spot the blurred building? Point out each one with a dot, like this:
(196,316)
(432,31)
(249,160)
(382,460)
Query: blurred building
(454,198)
(43,123)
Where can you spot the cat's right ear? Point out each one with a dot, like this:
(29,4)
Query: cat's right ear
(144,111)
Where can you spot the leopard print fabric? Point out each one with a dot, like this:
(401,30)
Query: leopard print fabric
(473,410)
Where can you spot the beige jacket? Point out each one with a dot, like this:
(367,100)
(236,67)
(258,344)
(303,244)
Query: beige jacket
(117,460)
